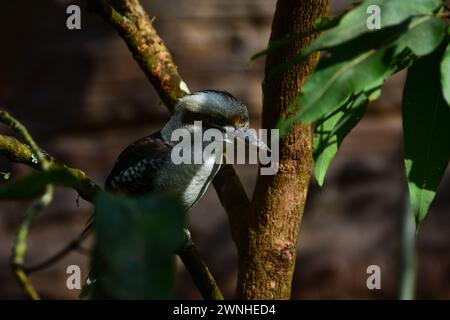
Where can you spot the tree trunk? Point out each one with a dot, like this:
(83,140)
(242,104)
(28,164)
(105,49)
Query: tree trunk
(267,252)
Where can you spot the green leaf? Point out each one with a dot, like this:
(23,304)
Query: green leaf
(334,82)
(34,184)
(331,131)
(352,28)
(350,49)
(426,129)
(6,176)
(339,77)
(136,239)
(354,23)
(424,35)
(445,75)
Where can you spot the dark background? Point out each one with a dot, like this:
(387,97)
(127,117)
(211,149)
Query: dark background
(84,99)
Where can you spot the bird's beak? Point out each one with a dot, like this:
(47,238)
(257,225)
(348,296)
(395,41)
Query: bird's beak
(247,136)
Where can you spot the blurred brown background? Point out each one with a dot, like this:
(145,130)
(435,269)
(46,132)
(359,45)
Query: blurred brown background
(84,99)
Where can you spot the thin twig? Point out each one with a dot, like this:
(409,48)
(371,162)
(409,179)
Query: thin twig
(83,251)
(14,124)
(20,246)
(233,198)
(71,246)
(17,152)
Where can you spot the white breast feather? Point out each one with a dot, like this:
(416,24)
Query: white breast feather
(194,188)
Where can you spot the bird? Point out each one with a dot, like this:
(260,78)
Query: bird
(146,166)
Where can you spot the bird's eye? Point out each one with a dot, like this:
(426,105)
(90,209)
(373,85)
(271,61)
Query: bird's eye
(208,120)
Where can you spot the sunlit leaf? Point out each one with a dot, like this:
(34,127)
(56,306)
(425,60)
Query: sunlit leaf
(426,127)
(424,35)
(354,23)
(332,85)
(136,239)
(331,131)
(351,49)
(352,27)
(339,77)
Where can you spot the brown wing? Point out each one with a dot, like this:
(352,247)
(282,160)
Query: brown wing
(135,170)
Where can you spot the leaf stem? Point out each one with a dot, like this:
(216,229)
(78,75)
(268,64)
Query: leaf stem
(442,14)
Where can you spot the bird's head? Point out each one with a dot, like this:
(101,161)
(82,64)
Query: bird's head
(215,109)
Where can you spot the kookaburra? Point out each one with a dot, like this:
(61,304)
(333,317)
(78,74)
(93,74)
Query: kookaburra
(146,165)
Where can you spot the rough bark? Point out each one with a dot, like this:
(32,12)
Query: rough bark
(268,251)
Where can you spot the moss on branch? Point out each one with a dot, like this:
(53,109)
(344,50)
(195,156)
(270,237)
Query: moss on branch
(18,152)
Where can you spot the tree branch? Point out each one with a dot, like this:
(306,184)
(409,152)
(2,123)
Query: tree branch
(40,159)
(199,271)
(17,152)
(20,246)
(234,199)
